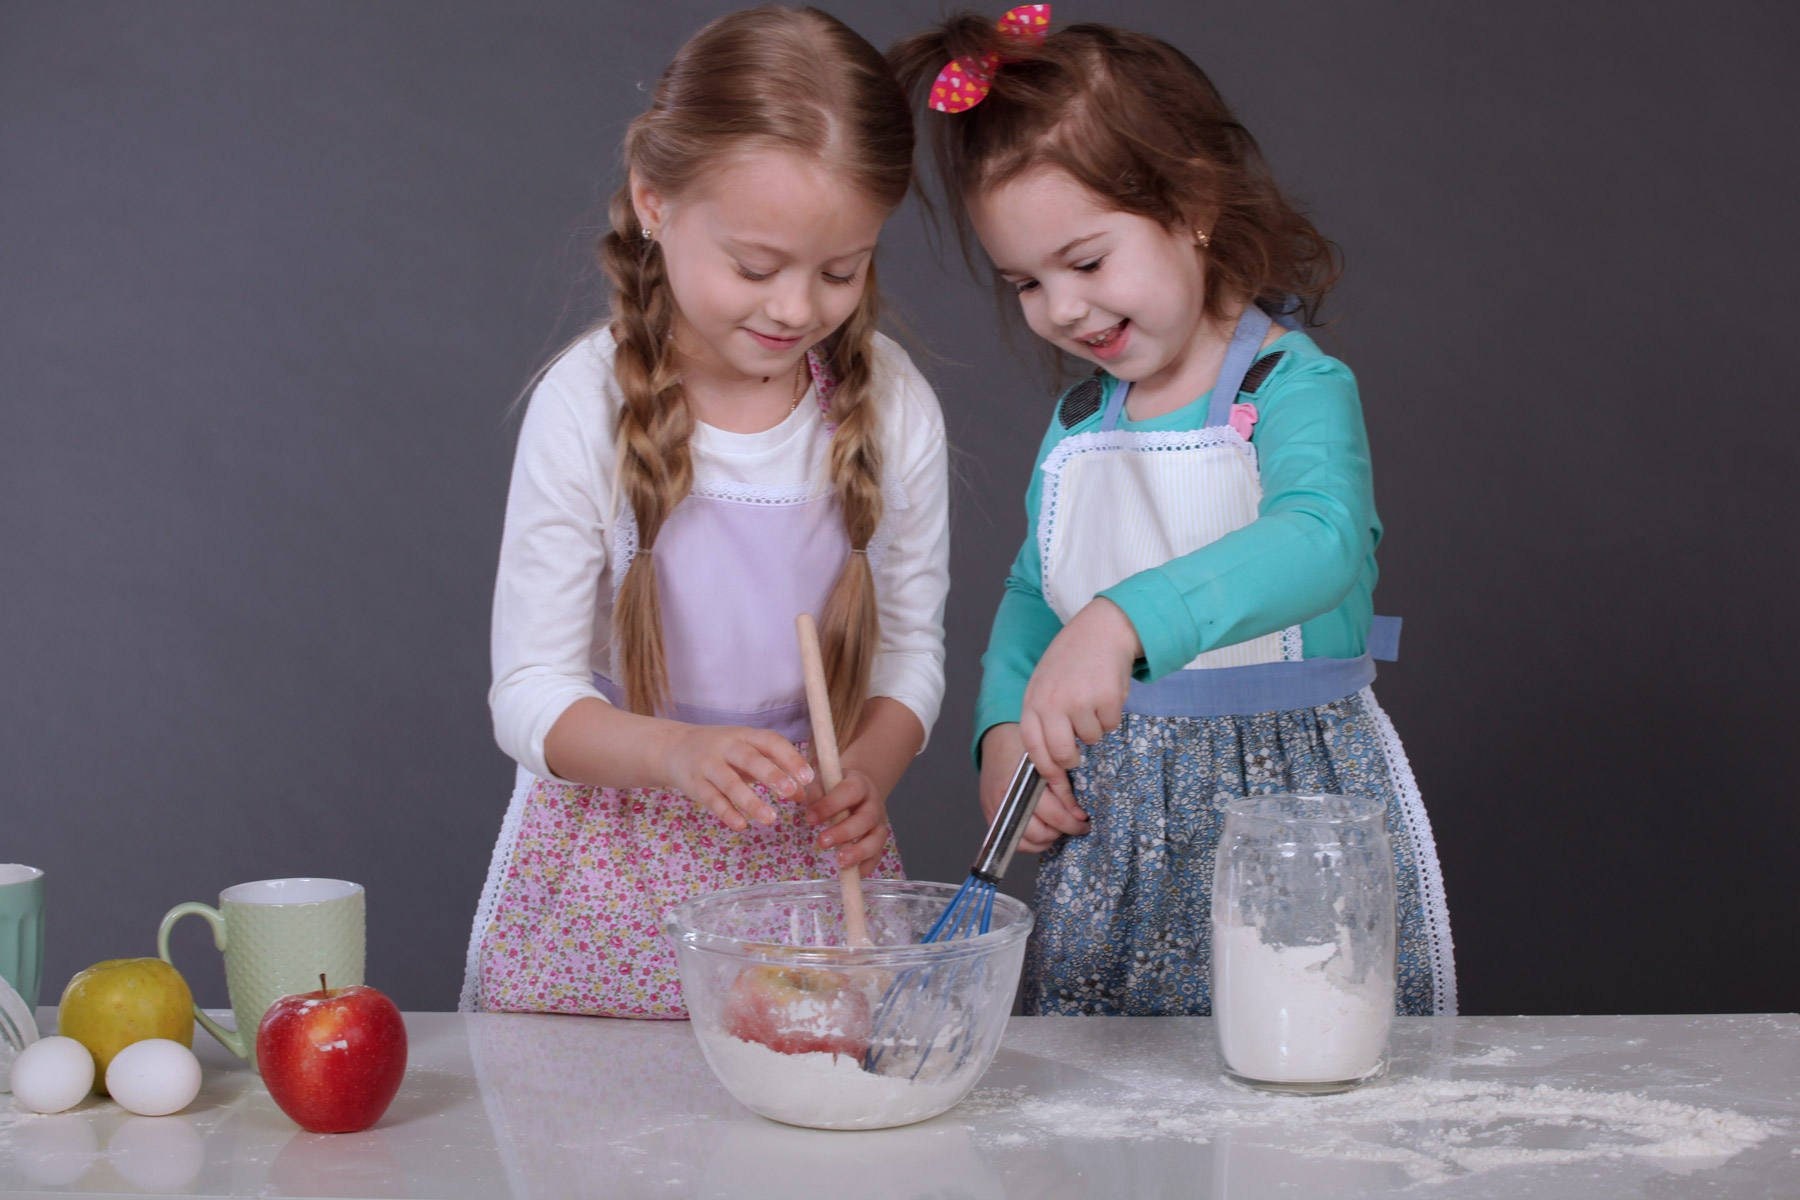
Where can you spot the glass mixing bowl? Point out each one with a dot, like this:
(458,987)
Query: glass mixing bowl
(804,1030)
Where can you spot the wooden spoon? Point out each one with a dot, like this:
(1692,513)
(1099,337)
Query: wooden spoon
(818,705)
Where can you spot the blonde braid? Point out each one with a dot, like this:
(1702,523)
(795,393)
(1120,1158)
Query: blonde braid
(850,627)
(655,468)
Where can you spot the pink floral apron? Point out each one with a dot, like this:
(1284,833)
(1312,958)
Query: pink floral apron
(571,919)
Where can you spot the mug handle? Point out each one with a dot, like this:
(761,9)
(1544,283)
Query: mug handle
(232,1040)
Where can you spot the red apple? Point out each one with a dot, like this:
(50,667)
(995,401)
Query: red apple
(332,1059)
(798,1010)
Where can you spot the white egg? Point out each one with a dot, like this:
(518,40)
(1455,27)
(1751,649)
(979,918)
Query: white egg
(154,1077)
(52,1074)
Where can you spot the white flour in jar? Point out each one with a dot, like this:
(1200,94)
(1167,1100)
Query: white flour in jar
(1286,1017)
(825,1091)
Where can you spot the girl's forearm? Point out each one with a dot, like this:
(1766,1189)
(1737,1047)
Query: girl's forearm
(596,743)
(885,742)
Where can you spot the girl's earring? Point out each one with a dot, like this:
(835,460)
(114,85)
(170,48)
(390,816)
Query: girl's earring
(1202,239)
(649,234)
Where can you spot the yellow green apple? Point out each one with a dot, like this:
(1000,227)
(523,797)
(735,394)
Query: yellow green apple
(124,1000)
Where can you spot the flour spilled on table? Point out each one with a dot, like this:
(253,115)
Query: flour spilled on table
(825,1091)
(1458,1127)
(1495,1056)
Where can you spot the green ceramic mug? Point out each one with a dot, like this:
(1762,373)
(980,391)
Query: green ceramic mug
(278,936)
(22,929)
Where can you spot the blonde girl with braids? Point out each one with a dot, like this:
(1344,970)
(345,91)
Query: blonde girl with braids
(1190,617)
(735,445)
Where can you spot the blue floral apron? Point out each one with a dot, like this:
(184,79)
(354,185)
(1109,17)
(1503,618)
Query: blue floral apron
(1124,912)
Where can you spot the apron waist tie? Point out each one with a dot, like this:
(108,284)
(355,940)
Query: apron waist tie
(1245,691)
(789,720)
(1384,638)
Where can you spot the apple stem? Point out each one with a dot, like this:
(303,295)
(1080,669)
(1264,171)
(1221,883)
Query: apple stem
(322,986)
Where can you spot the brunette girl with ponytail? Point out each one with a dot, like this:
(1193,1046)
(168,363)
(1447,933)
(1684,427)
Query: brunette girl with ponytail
(734,445)
(1189,618)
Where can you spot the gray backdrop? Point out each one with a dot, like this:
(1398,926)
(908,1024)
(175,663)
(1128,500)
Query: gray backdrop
(271,275)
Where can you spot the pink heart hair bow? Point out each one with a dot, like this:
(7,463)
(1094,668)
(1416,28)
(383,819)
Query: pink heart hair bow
(965,82)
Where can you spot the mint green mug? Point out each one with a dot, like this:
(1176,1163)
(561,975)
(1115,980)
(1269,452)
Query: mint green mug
(22,929)
(278,936)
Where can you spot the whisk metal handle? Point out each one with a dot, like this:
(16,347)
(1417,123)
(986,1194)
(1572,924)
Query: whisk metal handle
(1009,822)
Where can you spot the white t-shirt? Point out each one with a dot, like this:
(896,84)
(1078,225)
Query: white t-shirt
(554,591)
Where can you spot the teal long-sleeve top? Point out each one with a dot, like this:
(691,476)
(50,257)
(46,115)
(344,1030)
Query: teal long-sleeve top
(1307,559)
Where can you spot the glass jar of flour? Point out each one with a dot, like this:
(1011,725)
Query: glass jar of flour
(1303,942)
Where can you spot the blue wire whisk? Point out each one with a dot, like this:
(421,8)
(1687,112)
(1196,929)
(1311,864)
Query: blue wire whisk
(912,1012)
(972,908)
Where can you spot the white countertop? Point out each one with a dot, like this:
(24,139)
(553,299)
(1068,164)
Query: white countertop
(554,1107)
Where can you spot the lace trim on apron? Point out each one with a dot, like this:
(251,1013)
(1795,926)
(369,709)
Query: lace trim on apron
(1088,443)
(1431,874)
(470,999)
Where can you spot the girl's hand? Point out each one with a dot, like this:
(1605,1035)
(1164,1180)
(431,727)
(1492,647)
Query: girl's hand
(718,766)
(888,736)
(1056,815)
(861,835)
(1077,693)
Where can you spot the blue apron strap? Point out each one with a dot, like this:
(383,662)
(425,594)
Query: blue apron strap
(1384,639)
(1240,355)
(1252,328)
(1115,405)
